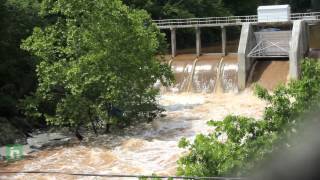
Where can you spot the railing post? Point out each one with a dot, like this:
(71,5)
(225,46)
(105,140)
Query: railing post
(198,40)
(224,40)
(173,42)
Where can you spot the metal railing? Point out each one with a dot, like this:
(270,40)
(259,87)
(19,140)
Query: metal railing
(231,20)
(190,22)
(306,16)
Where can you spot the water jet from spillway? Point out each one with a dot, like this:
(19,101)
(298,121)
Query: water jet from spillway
(208,73)
(269,73)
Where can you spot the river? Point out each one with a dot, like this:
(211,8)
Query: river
(143,149)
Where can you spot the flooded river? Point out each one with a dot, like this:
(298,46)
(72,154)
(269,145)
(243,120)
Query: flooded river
(143,149)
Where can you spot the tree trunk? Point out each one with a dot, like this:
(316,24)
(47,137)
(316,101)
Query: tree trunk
(78,135)
(92,124)
(107,131)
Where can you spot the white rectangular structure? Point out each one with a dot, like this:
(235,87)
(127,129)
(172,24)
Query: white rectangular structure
(277,13)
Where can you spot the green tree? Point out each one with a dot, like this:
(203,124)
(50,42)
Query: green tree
(161,9)
(296,5)
(97,63)
(242,7)
(17,67)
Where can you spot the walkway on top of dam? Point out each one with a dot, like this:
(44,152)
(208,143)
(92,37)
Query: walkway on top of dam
(229,21)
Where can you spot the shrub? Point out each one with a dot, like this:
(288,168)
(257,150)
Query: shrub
(250,141)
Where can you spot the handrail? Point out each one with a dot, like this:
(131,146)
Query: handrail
(167,23)
(203,18)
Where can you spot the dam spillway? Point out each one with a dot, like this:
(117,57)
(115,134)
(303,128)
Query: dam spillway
(269,74)
(217,74)
(204,74)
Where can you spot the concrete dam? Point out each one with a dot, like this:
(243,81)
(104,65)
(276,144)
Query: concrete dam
(269,50)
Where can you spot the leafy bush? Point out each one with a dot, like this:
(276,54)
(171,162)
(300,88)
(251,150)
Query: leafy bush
(97,64)
(250,141)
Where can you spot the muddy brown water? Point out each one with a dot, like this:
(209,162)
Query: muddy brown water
(231,47)
(205,74)
(314,37)
(229,74)
(314,42)
(270,74)
(182,68)
(150,148)
(145,148)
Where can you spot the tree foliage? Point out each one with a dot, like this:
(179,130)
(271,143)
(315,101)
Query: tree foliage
(161,9)
(97,63)
(296,5)
(17,67)
(249,141)
(180,9)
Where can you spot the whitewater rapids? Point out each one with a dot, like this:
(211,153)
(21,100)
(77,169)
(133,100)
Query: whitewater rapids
(144,149)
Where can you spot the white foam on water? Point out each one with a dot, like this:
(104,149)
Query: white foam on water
(228,67)
(151,150)
(203,68)
(180,69)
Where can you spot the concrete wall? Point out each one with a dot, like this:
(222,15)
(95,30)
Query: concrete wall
(299,46)
(247,42)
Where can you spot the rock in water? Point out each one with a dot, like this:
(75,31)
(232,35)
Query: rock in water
(44,140)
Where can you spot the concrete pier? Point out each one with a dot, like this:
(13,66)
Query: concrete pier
(173,42)
(247,42)
(298,48)
(198,41)
(224,40)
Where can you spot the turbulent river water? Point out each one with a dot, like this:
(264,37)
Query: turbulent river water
(143,149)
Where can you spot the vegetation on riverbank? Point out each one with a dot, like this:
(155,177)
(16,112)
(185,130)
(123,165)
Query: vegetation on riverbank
(18,76)
(97,65)
(240,144)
